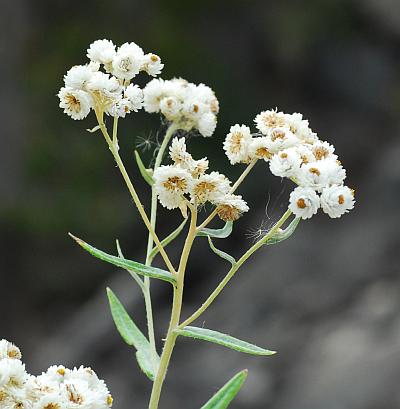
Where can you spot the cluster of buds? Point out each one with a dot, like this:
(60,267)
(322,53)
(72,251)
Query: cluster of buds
(294,151)
(111,92)
(189,105)
(187,180)
(57,388)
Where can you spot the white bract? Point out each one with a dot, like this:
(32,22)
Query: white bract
(57,388)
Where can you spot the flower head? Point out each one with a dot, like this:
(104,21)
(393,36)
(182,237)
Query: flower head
(231,207)
(304,202)
(75,103)
(237,144)
(337,200)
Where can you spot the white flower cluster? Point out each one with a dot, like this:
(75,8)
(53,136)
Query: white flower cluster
(188,177)
(187,104)
(57,388)
(294,151)
(87,87)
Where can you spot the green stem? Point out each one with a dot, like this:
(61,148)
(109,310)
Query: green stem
(150,241)
(234,269)
(175,315)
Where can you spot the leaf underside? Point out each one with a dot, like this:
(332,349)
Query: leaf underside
(282,235)
(221,253)
(223,339)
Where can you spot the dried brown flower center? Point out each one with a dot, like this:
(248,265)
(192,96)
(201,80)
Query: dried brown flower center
(320,153)
(228,213)
(315,171)
(73,103)
(341,199)
(52,406)
(263,153)
(236,142)
(176,183)
(14,353)
(277,135)
(301,204)
(272,120)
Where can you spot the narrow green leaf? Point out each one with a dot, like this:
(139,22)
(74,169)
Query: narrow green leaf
(223,339)
(282,235)
(142,169)
(171,237)
(217,233)
(131,334)
(221,253)
(131,272)
(227,393)
(138,268)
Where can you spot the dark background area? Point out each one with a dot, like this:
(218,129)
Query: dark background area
(327,299)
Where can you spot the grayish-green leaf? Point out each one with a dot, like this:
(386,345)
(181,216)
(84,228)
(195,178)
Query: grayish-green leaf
(282,235)
(171,237)
(144,361)
(227,393)
(221,253)
(223,339)
(217,233)
(131,272)
(142,169)
(131,334)
(138,268)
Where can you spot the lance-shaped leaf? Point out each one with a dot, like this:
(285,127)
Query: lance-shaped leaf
(171,237)
(132,335)
(282,235)
(227,393)
(142,169)
(218,233)
(223,339)
(221,253)
(138,268)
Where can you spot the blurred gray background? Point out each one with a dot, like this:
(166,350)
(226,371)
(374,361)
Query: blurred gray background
(327,299)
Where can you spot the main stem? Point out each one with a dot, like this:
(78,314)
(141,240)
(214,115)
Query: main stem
(150,241)
(175,315)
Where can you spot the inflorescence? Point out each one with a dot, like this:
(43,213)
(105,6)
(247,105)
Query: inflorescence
(294,151)
(57,388)
(285,141)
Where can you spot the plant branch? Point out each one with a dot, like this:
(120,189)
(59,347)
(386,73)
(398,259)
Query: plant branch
(150,241)
(114,150)
(234,269)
